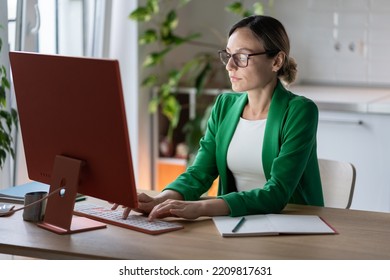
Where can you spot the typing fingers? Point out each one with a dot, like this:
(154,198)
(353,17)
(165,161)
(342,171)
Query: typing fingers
(114,206)
(126,212)
(164,209)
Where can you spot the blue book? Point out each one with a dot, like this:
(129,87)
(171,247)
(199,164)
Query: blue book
(16,194)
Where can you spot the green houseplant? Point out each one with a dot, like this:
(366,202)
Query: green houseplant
(8,119)
(159,19)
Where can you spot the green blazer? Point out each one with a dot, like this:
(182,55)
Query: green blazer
(289,156)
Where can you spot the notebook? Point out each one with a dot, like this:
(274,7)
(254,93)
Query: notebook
(16,194)
(272,224)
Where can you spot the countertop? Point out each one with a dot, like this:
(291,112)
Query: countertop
(347,99)
(373,100)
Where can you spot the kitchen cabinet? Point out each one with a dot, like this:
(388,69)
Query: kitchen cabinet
(364,140)
(354,126)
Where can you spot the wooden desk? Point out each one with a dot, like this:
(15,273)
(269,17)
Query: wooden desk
(362,235)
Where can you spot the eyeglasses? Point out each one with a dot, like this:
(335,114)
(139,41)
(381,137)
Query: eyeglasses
(240,59)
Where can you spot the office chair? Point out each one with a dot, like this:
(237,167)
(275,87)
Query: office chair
(338,182)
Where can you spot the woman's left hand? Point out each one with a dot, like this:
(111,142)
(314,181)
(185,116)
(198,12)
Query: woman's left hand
(177,208)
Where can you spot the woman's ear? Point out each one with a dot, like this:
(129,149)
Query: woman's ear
(278,61)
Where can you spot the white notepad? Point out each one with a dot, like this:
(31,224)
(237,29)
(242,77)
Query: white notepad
(272,224)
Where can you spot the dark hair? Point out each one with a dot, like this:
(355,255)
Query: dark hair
(273,35)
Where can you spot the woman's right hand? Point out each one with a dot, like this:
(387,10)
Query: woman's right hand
(146,203)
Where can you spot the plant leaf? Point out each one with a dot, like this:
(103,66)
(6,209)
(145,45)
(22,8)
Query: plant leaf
(258,8)
(174,77)
(5,82)
(153,6)
(2,96)
(201,79)
(183,2)
(5,115)
(235,8)
(150,81)
(142,14)
(165,90)
(149,36)
(15,117)
(171,109)
(3,155)
(155,58)
(153,104)
(171,20)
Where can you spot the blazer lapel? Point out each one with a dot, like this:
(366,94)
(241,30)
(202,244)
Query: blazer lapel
(271,143)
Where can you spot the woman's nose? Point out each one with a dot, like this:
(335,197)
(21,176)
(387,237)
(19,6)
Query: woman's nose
(230,65)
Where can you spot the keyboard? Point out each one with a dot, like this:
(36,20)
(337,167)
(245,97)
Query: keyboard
(135,222)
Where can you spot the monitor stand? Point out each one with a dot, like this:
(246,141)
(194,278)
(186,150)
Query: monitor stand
(59,208)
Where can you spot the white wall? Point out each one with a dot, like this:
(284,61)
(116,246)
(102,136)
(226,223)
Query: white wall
(359,28)
(124,47)
(334,41)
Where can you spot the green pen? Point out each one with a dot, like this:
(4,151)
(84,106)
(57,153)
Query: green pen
(80,198)
(239,224)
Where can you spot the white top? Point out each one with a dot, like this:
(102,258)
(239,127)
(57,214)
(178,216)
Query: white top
(244,157)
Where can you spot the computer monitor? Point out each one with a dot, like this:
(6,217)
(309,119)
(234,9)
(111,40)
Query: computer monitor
(75,135)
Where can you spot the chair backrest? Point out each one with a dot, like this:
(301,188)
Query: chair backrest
(338,182)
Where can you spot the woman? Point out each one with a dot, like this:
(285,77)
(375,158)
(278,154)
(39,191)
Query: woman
(261,143)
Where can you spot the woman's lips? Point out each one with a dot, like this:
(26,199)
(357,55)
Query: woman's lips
(234,79)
